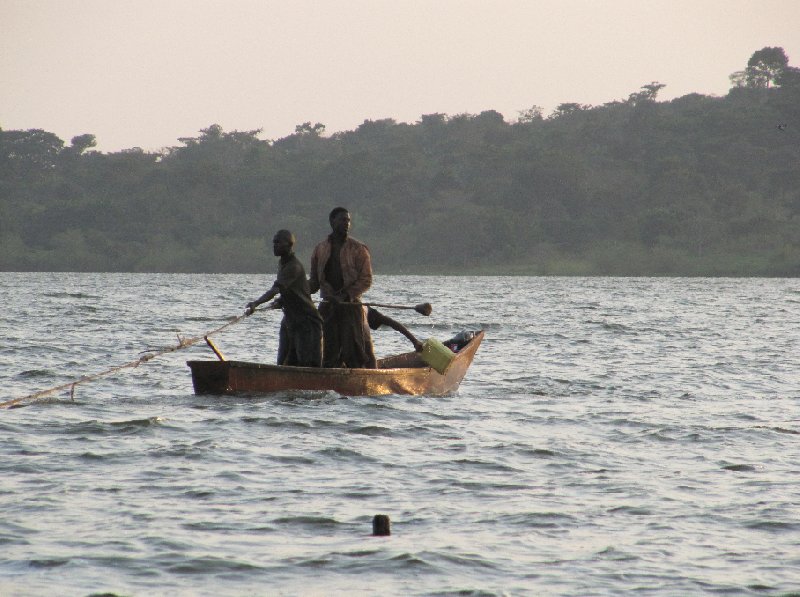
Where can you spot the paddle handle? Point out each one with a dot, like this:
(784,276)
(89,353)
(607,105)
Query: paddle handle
(388,306)
(422,309)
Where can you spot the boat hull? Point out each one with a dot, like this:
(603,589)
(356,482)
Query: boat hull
(401,374)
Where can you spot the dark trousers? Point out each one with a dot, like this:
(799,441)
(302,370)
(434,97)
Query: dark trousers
(347,341)
(300,343)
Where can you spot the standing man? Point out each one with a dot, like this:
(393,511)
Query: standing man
(341,269)
(300,340)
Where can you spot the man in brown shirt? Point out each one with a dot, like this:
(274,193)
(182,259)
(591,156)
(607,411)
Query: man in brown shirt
(341,269)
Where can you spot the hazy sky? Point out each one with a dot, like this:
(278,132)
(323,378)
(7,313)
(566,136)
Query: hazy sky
(145,72)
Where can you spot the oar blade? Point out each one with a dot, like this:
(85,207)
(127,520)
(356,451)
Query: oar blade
(424,309)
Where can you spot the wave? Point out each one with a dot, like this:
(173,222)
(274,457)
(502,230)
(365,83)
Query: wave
(534,520)
(72,295)
(313,522)
(113,427)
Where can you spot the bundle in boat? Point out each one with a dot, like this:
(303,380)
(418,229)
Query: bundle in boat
(437,355)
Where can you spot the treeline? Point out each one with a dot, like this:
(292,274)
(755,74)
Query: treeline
(694,186)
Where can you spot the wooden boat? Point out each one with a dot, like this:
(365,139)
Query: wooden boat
(405,373)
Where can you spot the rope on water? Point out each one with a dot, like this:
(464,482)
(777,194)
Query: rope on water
(182,343)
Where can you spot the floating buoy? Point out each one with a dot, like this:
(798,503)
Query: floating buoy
(381,525)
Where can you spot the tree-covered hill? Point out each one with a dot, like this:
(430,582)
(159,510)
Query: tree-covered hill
(694,186)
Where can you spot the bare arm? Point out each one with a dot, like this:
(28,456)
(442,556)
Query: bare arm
(268,295)
(376,319)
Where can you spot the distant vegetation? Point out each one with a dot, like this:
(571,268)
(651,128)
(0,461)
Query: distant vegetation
(694,186)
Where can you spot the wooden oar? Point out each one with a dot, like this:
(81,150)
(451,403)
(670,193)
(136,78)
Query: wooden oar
(213,347)
(423,308)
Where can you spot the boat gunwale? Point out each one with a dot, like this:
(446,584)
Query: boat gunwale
(319,370)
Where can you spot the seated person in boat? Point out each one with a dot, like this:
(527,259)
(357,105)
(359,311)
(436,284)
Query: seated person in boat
(376,319)
(300,340)
(341,269)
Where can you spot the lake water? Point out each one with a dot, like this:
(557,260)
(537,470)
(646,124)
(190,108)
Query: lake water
(614,435)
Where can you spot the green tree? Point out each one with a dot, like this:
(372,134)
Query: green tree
(29,151)
(648,93)
(789,78)
(738,79)
(532,114)
(765,67)
(81,143)
(568,108)
(314,130)
(698,185)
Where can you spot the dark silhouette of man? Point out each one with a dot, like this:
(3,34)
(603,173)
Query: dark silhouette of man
(300,340)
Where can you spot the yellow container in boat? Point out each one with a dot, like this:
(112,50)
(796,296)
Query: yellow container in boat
(437,355)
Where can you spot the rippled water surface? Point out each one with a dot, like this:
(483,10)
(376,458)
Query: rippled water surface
(614,435)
